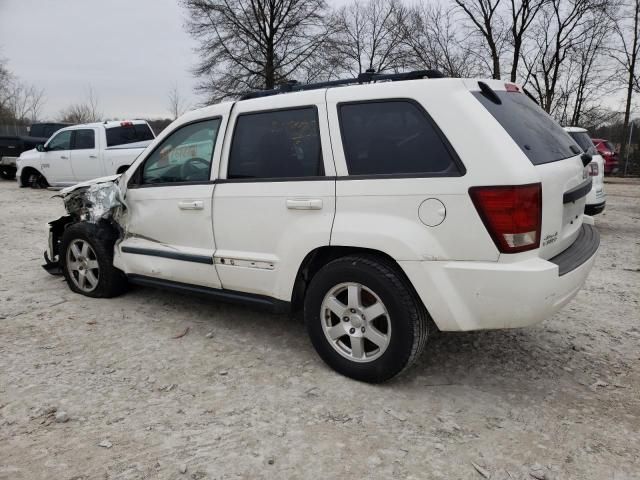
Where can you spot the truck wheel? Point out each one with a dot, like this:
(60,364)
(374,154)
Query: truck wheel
(364,319)
(86,256)
(37,180)
(7,174)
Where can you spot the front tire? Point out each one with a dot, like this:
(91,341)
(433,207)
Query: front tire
(364,319)
(86,256)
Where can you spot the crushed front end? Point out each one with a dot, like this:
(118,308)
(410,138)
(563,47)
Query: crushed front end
(98,200)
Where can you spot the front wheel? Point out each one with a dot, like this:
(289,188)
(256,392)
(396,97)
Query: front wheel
(86,256)
(364,319)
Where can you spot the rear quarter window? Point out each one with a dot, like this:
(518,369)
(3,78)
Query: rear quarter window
(540,138)
(394,137)
(128,134)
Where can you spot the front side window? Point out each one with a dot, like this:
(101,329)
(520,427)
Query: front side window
(276,144)
(62,141)
(393,138)
(184,156)
(84,140)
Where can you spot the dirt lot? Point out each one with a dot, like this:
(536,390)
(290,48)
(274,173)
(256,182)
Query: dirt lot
(243,394)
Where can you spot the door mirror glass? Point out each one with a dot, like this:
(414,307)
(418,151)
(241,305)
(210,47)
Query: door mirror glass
(40,148)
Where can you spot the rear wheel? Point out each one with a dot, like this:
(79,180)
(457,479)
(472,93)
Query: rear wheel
(7,173)
(364,319)
(87,260)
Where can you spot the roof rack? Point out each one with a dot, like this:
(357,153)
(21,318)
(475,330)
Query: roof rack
(366,77)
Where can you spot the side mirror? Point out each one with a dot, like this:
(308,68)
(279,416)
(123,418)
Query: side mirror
(40,148)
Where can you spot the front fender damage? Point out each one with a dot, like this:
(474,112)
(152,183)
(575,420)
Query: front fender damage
(97,201)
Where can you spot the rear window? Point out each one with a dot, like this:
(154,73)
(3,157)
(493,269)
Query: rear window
(128,134)
(393,138)
(583,139)
(539,136)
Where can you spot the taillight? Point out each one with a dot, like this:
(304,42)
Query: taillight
(593,169)
(511,87)
(512,215)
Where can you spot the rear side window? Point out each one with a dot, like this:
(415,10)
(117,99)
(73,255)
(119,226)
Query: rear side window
(276,144)
(393,137)
(583,139)
(84,140)
(128,134)
(539,136)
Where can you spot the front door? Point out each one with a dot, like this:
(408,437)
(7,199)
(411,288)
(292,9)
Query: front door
(85,155)
(169,232)
(56,159)
(275,200)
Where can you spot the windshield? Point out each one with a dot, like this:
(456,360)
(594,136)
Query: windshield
(583,139)
(128,134)
(538,135)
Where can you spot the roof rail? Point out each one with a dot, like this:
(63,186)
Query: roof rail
(366,77)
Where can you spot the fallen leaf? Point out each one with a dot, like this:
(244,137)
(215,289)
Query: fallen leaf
(180,335)
(481,470)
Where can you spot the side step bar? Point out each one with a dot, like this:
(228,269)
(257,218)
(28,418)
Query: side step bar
(259,301)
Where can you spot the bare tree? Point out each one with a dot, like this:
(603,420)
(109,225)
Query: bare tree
(86,111)
(523,13)
(625,52)
(486,19)
(434,41)
(561,28)
(369,36)
(177,103)
(253,44)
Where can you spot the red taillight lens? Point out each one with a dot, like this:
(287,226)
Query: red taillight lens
(593,169)
(511,87)
(511,214)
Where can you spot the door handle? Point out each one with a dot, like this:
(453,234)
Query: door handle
(64,157)
(304,203)
(191,205)
(93,156)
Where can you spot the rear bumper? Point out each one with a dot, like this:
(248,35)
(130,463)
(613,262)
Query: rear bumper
(594,208)
(462,295)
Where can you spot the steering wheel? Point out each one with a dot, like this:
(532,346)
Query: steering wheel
(190,168)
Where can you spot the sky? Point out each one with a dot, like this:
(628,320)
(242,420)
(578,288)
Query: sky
(130,52)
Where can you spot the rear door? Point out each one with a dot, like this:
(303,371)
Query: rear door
(56,159)
(275,201)
(85,155)
(555,156)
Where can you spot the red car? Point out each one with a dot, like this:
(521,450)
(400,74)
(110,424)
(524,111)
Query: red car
(608,152)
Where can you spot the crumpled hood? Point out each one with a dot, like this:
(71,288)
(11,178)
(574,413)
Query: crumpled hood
(88,183)
(95,200)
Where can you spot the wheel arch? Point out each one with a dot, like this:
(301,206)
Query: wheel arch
(28,170)
(320,256)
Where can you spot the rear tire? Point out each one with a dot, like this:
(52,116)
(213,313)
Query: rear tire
(338,301)
(7,173)
(86,257)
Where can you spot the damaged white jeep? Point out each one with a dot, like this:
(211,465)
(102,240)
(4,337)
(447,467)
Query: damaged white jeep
(381,207)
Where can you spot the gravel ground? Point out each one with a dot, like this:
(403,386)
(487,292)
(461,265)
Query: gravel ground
(103,389)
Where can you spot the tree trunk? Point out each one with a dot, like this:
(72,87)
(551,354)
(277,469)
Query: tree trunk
(627,109)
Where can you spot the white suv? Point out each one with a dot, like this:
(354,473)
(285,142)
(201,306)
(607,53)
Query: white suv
(372,205)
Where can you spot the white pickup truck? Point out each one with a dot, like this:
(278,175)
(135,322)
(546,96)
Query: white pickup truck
(82,152)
